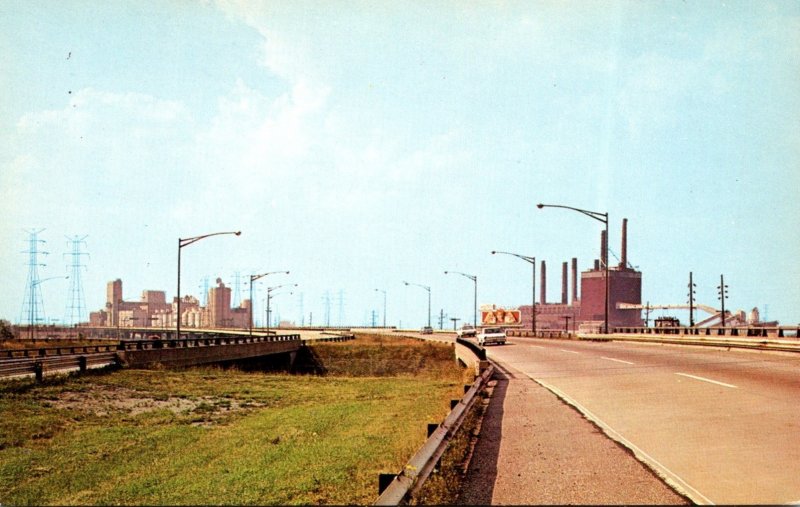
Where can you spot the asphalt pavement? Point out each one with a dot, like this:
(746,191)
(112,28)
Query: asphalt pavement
(720,426)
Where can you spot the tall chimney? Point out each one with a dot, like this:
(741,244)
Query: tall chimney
(574,280)
(543,287)
(624,260)
(603,250)
(564,283)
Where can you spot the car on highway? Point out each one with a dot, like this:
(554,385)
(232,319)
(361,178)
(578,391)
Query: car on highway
(427,330)
(466,330)
(490,335)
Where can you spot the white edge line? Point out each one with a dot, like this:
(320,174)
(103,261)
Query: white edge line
(617,360)
(723,384)
(665,473)
(570,351)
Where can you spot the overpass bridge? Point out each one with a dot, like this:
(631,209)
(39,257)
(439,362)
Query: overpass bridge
(146,347)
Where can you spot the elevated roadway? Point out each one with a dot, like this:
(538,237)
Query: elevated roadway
(721,426)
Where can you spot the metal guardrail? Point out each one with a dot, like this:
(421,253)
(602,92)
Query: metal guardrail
(408,482)
(479,351)
(40,365)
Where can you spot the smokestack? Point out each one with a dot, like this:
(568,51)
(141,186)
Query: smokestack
(563,283)
(603,249)
(543,288)
(624,260)
(574,280)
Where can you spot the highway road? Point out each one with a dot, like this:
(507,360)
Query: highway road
(721,426)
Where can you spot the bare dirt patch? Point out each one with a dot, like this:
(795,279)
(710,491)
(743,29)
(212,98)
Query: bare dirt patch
(106,400)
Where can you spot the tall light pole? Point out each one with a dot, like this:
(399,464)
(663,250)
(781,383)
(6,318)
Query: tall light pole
(182,242)
(253,278)
(429,298)
(474,279)
(532,261)
(384,305)
(34,284)
(267,311)
(600,217)
(269,296)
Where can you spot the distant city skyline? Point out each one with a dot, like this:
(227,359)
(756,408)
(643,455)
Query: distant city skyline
(359,145)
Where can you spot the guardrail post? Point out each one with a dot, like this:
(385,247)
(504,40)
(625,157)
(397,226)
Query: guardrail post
(431,428)
(38,370)
(384,480)
(453,404)
(82,364)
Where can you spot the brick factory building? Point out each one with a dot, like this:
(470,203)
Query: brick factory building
(585,312)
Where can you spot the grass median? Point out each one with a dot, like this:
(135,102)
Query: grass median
(225,436)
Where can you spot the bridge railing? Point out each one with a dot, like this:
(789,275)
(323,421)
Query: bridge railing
(743,331)
(66,350)
(203,341)
(38,366)
(547,333)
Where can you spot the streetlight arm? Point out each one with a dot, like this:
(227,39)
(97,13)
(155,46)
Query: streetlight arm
(532,260)
(418,285)
(471,277)
(600,217)
(182,242)
(253,278)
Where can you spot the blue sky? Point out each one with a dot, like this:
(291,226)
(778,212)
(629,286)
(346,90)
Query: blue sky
(360,144)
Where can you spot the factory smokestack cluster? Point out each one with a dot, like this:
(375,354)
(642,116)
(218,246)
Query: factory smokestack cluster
(587,307)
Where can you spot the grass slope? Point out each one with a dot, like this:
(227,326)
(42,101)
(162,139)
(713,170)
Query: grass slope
(212,436)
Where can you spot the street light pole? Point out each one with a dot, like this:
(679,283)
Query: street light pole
(384,305)
(532,261)
(182,242)
(427,288)
(600,217)
(253,278)
(269,297)
(474,279)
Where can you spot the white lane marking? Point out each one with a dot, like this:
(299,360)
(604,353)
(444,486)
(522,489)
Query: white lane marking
(570,351)
(669,476)
(617,360)
(723,384)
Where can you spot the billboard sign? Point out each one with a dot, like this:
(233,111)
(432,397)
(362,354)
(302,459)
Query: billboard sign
(500,316)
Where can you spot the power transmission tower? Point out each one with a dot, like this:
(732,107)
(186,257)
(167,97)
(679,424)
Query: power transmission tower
(75,312)
(33,305)
(237,290)
(442,316)
(340,302)
(327,299)
(204,291)
(300,305)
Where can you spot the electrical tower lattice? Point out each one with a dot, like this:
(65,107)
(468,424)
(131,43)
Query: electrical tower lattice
(75,312)
(33,305)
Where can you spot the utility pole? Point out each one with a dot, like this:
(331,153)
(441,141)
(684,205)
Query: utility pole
(441,318)
(691,300)
(723,295)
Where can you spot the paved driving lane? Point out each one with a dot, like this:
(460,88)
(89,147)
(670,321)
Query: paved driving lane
(720,425)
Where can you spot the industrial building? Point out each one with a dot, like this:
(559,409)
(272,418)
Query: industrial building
(154,311)
(586,311)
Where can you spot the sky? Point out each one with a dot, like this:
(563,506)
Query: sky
(363,144)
